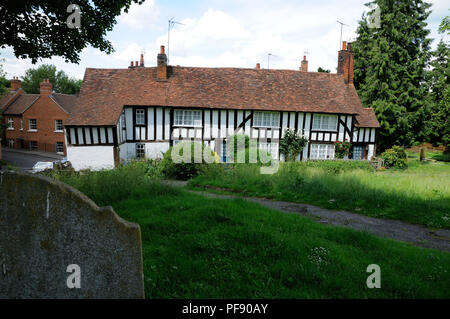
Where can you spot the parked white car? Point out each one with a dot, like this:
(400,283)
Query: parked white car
(41,166)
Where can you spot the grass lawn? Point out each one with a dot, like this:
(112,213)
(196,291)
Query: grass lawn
(419,194)
(196,247)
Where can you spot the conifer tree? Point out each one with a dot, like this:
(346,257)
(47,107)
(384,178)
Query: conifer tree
(390,68)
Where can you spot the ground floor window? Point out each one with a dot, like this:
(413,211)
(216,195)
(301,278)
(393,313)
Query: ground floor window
(33,145)
(11,143)
(322,151)
(59,147)
(358,152)
(140,150)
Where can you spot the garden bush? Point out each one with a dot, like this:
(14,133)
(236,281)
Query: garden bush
(175,164)
(395,157)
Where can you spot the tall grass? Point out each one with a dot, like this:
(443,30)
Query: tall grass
(109,186)
(418,195)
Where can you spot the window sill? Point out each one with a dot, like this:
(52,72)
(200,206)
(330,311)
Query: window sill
(10,129)
(32,131)
(262,126)
(190,126)
(58,131)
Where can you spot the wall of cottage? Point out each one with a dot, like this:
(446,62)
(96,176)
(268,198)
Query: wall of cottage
(159,131)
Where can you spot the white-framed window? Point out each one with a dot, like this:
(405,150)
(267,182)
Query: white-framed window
(140,116)
(58,125)
(323,122)
(188,118)
(266,119)
(33,145)
(140,150)
(32,124)
(271,148)
(322,151)
(21,124)
(10,123)
(11,143)
(59,147)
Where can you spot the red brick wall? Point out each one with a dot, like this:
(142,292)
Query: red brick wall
(45,111)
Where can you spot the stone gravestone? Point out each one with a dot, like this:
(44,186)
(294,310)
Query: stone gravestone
(56,243)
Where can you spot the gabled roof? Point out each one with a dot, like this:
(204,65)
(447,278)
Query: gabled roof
(6,98)
(104,92)
(66,101)
(24,101)
(21,103)
(366,118)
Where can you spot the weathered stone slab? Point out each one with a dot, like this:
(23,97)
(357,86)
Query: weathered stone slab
(45,226)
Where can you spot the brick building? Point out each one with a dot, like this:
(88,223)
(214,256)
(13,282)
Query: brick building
(36,121)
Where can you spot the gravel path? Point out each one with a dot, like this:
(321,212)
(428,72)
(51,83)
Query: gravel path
(388,228)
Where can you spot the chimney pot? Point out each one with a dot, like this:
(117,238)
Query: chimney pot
(46,87)
(15,83)
(132,63)
(258,66)
(346,61)
(304,65)
(161,70)
(162,50)
(142,60)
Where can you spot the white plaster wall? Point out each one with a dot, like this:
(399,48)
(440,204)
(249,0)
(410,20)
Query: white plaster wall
(156,150)
(370,152)
(91,157)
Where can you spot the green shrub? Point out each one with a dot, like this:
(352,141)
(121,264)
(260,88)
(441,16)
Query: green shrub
(395,157)
(342,149)
(175,164)
(292,144)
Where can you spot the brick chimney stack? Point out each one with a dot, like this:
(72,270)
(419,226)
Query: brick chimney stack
(258,66)
(15,83)
(346,61)
(304,65)
(161,72)
(46,88)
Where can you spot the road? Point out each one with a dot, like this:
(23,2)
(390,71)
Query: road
(24,161)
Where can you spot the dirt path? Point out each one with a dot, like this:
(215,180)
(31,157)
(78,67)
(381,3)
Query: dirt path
(388,228)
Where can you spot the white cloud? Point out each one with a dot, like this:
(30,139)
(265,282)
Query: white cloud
(140,16)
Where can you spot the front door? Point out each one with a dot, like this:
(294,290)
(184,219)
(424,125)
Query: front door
(358,152)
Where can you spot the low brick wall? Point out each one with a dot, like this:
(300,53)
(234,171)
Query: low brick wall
(57,243)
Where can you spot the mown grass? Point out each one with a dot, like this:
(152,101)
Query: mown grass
(196,247)
(419,194)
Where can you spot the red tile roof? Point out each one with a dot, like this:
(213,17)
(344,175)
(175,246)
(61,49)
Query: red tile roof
(23,102)
(366,118)
(66,101)
(104,92)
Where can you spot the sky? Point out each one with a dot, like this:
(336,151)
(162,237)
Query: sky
(227,33)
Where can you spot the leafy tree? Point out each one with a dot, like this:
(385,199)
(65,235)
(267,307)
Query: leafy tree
(320,69)
(292,144)
(390,64)
(61,82)
(38,29)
